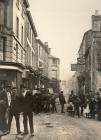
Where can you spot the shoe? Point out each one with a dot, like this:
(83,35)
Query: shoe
(32,134)
(19,132)
(25,133)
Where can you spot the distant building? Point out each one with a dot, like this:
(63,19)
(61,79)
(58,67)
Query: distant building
(53,72)
(42,62)
(89,78)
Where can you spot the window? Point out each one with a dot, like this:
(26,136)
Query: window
(22,12)
(33,59)
(16,52)
(30,34)
(2,13)
(28,55)
(39,51)
(28,30)
(17,27)
(22,34)
(21,56)
(33,41)
(54,74)
(54,61)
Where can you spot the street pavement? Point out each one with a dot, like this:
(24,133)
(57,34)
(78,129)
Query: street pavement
(57,126)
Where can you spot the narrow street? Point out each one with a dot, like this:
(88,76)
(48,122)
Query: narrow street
(60,127)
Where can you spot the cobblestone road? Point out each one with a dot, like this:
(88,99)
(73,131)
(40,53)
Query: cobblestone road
(61,127)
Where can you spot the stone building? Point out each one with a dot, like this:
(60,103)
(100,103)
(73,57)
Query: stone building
(31,52)
(12,40)
(89,79)
(42,52)
(53,73)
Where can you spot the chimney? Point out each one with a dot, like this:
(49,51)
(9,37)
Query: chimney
(46,44)
(96,12)
(49,49)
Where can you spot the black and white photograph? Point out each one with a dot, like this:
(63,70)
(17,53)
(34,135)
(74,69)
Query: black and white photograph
(50,69)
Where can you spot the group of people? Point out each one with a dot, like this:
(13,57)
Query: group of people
(15,103)
(81,105)
(12,104)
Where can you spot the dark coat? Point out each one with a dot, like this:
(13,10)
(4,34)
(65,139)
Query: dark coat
(92,105)
(3,102)
(62,99)
(99,103)
(15,106)
(27,102)
(71,98)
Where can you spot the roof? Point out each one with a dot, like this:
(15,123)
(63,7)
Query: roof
(43,45)
(51,56)
(85,34)
(31,22)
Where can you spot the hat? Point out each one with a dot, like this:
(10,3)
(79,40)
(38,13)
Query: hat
(22,86)
(97,93)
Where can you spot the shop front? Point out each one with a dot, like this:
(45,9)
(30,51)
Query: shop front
(11,74)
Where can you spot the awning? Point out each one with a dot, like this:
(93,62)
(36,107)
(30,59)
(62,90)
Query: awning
(10,68)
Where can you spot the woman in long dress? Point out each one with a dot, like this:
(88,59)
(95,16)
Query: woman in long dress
(87,110)
(3,109)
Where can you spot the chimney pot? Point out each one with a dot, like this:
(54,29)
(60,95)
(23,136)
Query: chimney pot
(96,12)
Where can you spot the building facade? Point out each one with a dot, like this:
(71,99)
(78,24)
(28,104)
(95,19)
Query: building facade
(24,59)
(89,78)
(53,73)
(30,55)
(42,62)
(12,47)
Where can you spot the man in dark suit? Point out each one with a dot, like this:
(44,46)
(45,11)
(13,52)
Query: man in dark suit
(62,101)
(27,104)
(14,110)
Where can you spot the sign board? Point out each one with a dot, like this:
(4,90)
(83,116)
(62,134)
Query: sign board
(77,67)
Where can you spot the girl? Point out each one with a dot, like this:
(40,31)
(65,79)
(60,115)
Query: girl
(87,110)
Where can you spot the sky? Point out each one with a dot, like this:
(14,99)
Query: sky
(62,24)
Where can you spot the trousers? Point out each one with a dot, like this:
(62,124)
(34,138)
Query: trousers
(28,116)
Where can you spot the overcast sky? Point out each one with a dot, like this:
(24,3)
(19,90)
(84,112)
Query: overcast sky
(62,24)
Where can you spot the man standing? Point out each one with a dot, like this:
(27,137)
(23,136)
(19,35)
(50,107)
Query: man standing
(14,110)
(27,108)
(98,105)
(71,97)
(62,101)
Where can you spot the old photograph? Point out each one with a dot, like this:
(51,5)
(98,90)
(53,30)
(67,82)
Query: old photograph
(50,69)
